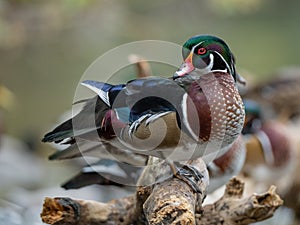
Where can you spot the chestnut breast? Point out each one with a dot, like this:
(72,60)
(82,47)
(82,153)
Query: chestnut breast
(214,109)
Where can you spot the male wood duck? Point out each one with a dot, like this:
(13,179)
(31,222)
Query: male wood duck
(267,140)
(270,154)
(196,113)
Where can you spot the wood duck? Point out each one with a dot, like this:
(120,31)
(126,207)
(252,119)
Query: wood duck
(270,154)
(196,113)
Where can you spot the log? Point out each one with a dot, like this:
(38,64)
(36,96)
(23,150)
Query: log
(174,207)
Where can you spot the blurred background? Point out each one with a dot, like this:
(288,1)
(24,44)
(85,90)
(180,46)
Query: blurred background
(46,45)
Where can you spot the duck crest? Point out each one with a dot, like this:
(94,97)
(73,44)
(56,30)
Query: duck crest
(214,109)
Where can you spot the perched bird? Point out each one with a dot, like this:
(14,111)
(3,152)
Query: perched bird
(196,113)
(270,154)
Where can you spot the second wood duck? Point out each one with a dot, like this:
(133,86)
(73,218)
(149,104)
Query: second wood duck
(270,154)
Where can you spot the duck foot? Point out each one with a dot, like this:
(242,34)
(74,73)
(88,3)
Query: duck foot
(188,174)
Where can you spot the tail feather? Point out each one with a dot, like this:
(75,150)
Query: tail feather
(86,120)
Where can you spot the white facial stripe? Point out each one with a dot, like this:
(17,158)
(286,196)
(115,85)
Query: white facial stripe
(185,68)
(185,117)
(211,63)
(196,47)
(209,66)
(230,69)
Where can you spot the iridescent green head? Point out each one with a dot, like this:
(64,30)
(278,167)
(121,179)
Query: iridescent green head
(203,54)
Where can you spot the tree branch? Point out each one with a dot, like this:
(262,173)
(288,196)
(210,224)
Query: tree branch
(174,201)
(232,209)
(169,202)
(66,211)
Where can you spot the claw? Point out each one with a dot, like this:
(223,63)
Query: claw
(189,175)
(193,172)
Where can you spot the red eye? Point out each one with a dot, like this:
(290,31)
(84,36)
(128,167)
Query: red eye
(201,51)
